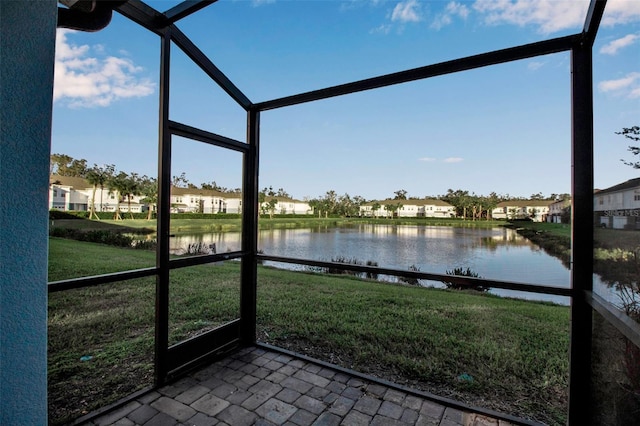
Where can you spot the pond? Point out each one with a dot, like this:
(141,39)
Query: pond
(495,253)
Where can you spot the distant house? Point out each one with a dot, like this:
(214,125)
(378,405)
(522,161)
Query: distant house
(557,210)
(68,193)
(195,200)
(408,208)
(618,206)
(73,193)
(436,208)
(536,210)
(234,202)
(286,205)
(76,194)
(369,209)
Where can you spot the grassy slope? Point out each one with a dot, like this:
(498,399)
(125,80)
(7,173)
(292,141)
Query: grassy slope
(70,259)
(113,324)
(604,238)
(616,252)
(515,351)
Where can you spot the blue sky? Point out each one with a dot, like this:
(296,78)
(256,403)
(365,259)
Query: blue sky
(504,128)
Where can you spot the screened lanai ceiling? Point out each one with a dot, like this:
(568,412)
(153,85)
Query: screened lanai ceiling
(276,48)
(517,112)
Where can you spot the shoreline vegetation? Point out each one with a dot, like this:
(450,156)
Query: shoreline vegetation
(504,354)
(185,222)
(616,253)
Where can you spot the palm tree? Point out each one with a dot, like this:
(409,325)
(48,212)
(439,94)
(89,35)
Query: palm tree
(271,207)
(98,176)
(118,185)
(106,173)
(149,188)
(93,178)
(315,205)
(392,208)
(131,187)
(375,208)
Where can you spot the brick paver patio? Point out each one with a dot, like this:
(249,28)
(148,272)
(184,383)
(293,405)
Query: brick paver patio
(259,387)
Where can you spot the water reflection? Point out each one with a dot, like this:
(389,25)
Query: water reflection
(494,253)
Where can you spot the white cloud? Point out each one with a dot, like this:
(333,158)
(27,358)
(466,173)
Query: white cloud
(257,3)
(440,21)
(451,10)
(349,5)
(548,15)
(445,160)
(382,29)
(408,11)
(453,160)
(621,12)
(458,9)
(85,81)
(535,65)
(99,48)
(628,85)
(346,5)
(612,47)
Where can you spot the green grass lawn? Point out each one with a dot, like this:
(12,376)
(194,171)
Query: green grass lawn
(557,229)
(515,351)
(70,259)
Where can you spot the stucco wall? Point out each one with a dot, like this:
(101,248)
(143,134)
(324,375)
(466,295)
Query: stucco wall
(27,43)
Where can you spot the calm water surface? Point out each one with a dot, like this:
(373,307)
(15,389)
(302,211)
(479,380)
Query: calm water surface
(496,253)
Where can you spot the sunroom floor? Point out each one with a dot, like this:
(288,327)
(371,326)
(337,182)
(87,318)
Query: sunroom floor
(259,386)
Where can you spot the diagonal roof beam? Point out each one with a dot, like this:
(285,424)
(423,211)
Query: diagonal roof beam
(197,56)
(144,15)
(189,132)
(546,47)
(186,8)
(592,21)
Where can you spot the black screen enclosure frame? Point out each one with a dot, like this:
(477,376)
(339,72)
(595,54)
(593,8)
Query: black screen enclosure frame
(173,361)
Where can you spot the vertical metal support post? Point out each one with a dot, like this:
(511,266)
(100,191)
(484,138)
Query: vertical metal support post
(581,233)
(164,205)
(249,273)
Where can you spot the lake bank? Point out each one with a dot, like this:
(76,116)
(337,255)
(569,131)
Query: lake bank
(616,252)
(179,225)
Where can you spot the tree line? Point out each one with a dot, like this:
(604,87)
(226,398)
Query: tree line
(123,185)
(468,205)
